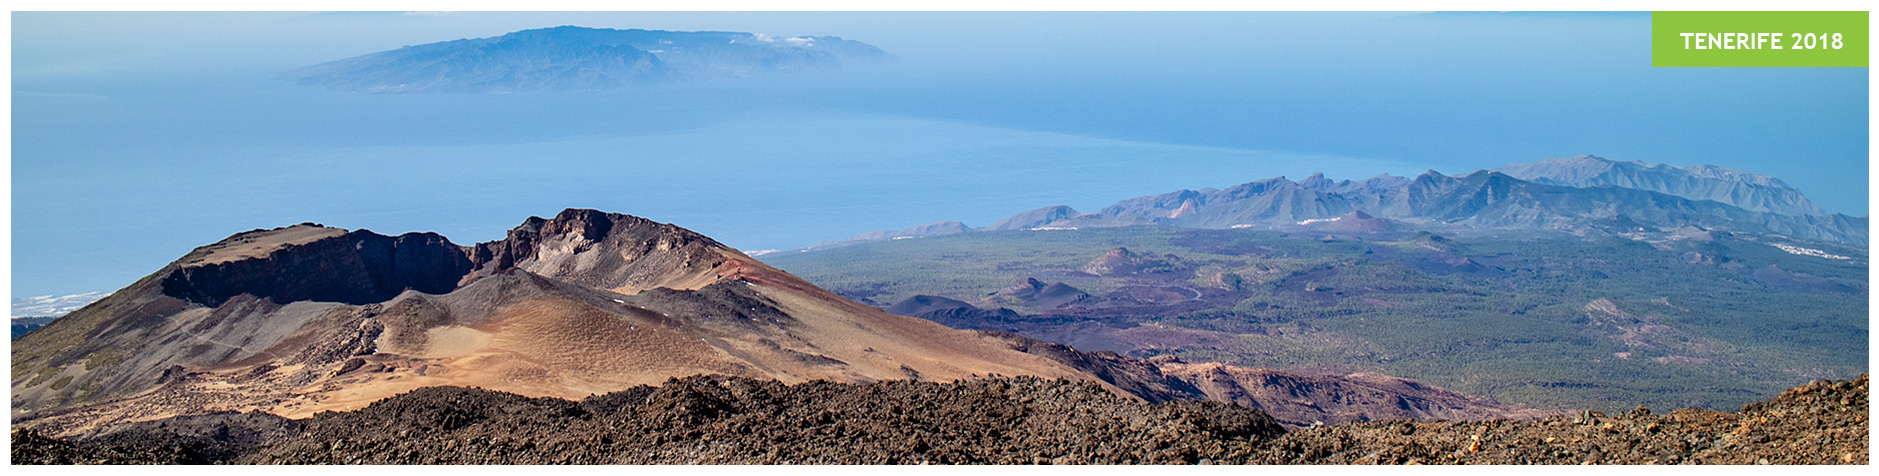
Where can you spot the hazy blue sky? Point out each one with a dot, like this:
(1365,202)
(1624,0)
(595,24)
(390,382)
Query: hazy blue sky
(140,136)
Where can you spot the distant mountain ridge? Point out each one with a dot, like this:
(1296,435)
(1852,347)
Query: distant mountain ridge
(579,58)
(1747,190)
(1573,195)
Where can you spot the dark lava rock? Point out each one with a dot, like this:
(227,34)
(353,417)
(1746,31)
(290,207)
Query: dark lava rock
(199,439)
(736,420)
(1819,423)
(711,419)
(355,268)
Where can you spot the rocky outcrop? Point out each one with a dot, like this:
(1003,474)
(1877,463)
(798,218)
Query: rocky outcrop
(354,268)
(197,439)
(606,251)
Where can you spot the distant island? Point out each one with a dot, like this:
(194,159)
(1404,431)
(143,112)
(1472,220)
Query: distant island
(579,58)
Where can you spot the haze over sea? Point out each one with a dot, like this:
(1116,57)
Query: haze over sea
(138,137)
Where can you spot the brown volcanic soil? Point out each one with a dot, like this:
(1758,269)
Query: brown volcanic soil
(1006,420)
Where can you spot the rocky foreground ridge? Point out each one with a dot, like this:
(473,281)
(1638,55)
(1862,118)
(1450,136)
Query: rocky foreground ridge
(1021,420)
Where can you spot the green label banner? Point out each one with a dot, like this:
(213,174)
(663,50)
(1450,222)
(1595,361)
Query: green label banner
(1759,39)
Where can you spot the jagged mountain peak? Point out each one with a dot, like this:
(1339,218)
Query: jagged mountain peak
(1317,181)
(596,225)
(1430,177)
(612,251)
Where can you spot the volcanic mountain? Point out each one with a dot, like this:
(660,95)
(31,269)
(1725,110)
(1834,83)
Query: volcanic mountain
(306,318)
(577,58)
(1030,291)
(1122,262)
